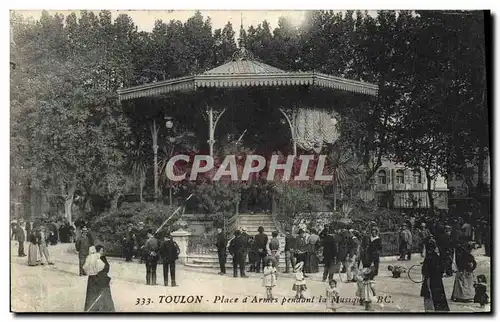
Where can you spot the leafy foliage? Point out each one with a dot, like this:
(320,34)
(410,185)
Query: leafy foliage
(110,227)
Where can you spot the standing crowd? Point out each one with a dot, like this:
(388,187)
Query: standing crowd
(446,246)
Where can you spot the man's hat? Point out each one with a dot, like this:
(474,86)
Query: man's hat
(84,228)
(243,229)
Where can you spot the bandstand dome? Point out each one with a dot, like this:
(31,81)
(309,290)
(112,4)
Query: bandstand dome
(244,71)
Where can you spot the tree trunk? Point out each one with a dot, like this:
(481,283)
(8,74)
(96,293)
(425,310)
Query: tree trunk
(154,136)
(114,203)
(430,192)
(141,188)
(335,193)
(480,168)
(88,204)
(68,201)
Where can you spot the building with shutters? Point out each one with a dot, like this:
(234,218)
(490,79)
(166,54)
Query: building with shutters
(399,187)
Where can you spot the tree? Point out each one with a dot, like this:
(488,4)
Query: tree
(70,116)
(199,43)
(224,44)
(259,42)
(347,171)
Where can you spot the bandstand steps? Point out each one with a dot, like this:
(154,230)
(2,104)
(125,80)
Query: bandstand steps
(251,223)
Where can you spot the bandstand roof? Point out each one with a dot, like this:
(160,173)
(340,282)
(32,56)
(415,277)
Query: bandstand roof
(244,72)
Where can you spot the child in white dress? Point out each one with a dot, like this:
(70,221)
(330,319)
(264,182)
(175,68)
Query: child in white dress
(366,290)
(332,294)
(300,284)
(269,279)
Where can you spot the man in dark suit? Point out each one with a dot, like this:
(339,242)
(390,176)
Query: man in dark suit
(21,238)
(246,241)
(290,246)
(140,239)
(169,252)
(342,238)
(129,243)
(329,254)
(82,247)
(237,248)
(261,245)
(151,255)
(221,250)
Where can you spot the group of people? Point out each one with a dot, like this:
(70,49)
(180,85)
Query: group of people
(38,240)
(93,263)
(444,245)
(133,241)
(358,253)
(343,249)
(156,250)
(55,232)
(257,249)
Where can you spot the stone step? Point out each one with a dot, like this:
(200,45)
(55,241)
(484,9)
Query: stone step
(252,231)
(257,224)
(248,219)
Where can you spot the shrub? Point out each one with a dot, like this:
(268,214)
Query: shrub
(110,227)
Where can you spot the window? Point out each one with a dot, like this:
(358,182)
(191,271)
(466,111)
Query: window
(400,176)
(382,200)
(382,177)
(417,176)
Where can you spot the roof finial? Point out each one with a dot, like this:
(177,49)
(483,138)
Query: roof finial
(242,53)
(241,40)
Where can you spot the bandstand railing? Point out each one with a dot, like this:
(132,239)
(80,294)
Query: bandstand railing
(204,244)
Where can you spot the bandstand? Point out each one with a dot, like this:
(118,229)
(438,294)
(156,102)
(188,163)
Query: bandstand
(308,101)
(308,104)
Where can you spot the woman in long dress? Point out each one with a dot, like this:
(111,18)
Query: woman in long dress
(312,261)
(432,286)
(463,289)
(42,245)
(33,249)
(98,298)
(375,249)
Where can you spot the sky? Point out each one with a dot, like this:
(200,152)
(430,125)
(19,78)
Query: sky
(145,19)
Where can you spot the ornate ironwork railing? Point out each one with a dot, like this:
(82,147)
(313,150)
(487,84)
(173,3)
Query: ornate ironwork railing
(202,244)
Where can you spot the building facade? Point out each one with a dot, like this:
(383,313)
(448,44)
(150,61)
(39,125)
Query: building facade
(399,187)
(465,195)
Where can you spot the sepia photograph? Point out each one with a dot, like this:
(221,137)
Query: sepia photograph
(250,161)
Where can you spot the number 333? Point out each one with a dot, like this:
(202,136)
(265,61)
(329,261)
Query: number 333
(143,301)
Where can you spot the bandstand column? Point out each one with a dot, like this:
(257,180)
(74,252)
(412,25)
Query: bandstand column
(290,118)
(212,124)
(211,130)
